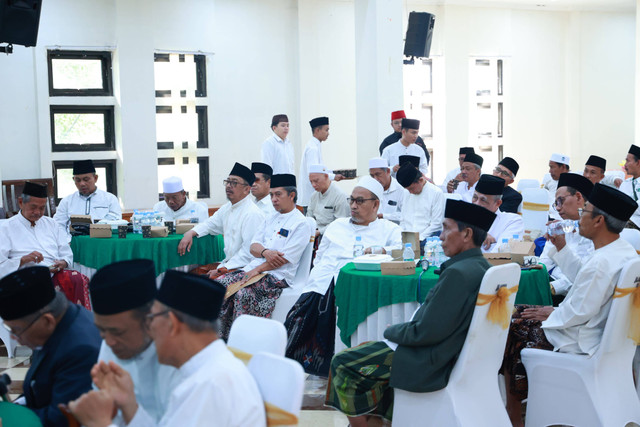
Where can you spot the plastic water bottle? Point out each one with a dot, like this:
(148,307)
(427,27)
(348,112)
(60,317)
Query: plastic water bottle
(358,248)
(135,220)
(440,257)
(407,253)
(194,217)
(504,246)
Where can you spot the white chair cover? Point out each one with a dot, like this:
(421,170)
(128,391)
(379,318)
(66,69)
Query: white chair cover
(472,397)
(252,334)
(527,183)
(633,237)
(535,208)
(579,390)
(9,342)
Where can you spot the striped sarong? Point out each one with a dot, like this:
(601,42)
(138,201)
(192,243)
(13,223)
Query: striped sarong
(359,381)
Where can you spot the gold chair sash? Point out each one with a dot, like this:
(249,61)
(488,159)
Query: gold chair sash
(279,417)
(530,206)
(498,312)
(634,323)
(239,354)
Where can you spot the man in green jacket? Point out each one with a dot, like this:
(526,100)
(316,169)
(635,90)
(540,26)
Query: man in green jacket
(421,353)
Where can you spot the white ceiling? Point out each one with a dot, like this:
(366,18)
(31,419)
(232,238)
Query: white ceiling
(602,5)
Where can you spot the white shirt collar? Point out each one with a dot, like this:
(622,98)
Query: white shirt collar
(241,202)
(203,357)
(25,221)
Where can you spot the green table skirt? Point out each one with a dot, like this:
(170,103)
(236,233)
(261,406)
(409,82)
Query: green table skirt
(359,294)
(96,253)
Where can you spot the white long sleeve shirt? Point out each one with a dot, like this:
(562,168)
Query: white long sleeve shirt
(423,213)
(551,185)
(99,204)
(18,238)
(312,156)
(184,212)
(391,203)
(631,187)
(325,208)
(581,247)
(393,152)
(265,205)
(216,390)
(576,325)
(238,224)
(465,191)
(336,248)
(152,381)
(504,227)
(287,233)
(451,175)
(278,154)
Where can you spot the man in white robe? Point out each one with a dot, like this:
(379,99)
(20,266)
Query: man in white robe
(335,251)
(176,205)
(453,178)
(393,194)
(30,238)
(631,186)
(488,194)
(216,389)
(261,186)
(328,202)
(572,193)
(470,172)
(277,150)
(88,200)
(237,220)
(406,146)
(558,163)
(423,204)
(121,295)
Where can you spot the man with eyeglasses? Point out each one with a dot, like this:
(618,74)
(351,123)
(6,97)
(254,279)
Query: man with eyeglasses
(62,335)
(396,124)
(577,324)
(216,388)
(176,205)
(327,202)
(488,194)
(237,220)
(558,164)
(507,170)
(631,186)
(405,146)
(311,323)
(470,172)
(572,193)
(453,178)
(122,294)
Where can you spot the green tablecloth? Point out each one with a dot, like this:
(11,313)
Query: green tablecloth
(96,253)
(359,294)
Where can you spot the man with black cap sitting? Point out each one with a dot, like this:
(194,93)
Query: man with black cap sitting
(176,205)
(422,206)
(571,195)
(121,295)
(362,377)
(507,170)
(396,124)
(327,202)
(631,186)
(277,150)
(470,172)
(64,341)
(261,186)
(454,176)
(406,146)
(488,194)
(576,325)
(237,220)
(595,168)
(88,200)
(216,388)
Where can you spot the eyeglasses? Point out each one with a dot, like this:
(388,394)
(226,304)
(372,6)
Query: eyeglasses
(560,201)
(359,201)
(502,172)
(149,317)
(17,334)
(232,184)
(581,211)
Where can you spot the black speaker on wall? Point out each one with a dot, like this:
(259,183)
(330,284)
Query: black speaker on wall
(419,33)
(19,20)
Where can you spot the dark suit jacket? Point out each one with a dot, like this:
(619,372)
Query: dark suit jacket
(60,371)
(429,345)
(511,199)
(395,137)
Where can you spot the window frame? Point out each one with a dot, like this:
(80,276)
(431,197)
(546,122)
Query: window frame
(107,72)
(111,171)
(109,127)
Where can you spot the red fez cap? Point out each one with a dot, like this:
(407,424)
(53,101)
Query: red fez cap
(398,115)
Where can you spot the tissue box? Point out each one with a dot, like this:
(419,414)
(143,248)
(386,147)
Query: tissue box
(519,250)
(183,221)
(100,230)
(159,231)
(398,268)
(80,219)
(183,228)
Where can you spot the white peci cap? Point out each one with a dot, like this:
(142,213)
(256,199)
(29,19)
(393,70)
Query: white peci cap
(378,162)
(319,169)
(372,185)
(560,158)
(173,184)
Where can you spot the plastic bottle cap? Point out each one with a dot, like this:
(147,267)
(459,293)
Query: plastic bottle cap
(505,240)
(407,245)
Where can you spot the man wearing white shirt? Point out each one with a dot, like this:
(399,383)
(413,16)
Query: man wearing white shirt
(631,186)
(176,205)
(595,168)
(488,194)
(393,194)
(311,322)
(88,200)
(470,172)
(277,150)
(453,178)
(577,324)
(423,204)
(328,202)
(406,146)
(121,296)
(237,220)
(276,249)
(572,193)
(261,186)
(216,388)
(558,163)
(396,124)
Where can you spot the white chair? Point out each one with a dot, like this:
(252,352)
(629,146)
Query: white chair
(633,237)
(579,390)
(250,335)
(527,183)
(281,384)
(535,208)
(8,342)
(290,295)
(472,396)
